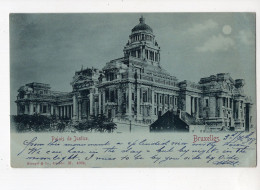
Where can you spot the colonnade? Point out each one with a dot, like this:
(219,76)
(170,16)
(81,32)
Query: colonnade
(65,111)
(156,100)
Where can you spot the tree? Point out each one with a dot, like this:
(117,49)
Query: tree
(99,123)
(34,122)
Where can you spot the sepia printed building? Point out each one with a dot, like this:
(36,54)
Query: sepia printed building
(136,88)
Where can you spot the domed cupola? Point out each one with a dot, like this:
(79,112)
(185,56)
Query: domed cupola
(142,44)
(142,26)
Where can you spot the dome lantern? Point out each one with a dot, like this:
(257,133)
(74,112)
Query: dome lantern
(142,26)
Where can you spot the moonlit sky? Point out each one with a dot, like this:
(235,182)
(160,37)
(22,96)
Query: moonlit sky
(49,48)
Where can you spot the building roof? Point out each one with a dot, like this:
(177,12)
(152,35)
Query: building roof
(142,26)
(170,121)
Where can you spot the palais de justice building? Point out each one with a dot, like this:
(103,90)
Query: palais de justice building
(137,88)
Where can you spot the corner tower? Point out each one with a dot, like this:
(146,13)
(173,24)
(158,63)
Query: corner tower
(142,44)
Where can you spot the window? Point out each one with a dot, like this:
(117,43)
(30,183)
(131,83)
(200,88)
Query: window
(139,53)
(160,99)
(155,98)
(133,96)
(124,96)
(155,112)
(106,95)
(175,101)
(207,102)
(111,76)
(145,97)
(112,97)
(44,109)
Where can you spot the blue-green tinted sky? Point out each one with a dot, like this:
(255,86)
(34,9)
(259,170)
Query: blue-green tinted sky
(49,48)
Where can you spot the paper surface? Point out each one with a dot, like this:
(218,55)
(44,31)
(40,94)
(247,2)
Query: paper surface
(161,119)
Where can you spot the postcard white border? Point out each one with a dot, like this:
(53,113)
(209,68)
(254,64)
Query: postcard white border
(154,178)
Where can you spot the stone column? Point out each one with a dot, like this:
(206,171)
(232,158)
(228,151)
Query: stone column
(119,101)
(31,108)
(91,99)
(64,111)
(129,100)
(80,109)
(51,109)
(234,108)
(198,108)
(220,105)
(163,104)
(152,102)
(143,53)
(75,107)
(173,103)
(96,108)
(212,105)
(188,104)
(38,108)
(71,111)
(191,105)
(60,111)
(194,106)
(26,109)
(138,102)
(238,110)
(99,102)
(18,109)
(169,101)
(104,102)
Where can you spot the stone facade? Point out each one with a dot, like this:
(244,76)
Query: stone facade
(136,88)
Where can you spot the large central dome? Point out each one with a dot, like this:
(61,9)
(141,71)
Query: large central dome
(142,26)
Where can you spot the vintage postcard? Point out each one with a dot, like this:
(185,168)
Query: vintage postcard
(133,90)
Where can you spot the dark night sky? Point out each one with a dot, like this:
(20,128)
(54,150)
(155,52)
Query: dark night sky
(49,48)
